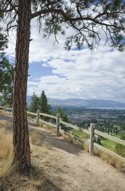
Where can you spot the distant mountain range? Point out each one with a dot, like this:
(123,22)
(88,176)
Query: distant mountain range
(90,103)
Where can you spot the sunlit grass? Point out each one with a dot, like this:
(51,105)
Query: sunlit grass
(35,138)
(79,134)
(108,144)
(3,123)
(115,147)
(111,158)
(6,152)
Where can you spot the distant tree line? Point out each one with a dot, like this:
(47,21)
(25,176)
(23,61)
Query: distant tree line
(63,114)
(39,103)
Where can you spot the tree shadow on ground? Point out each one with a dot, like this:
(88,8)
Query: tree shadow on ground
(52,141)
(35,181)
(48,138)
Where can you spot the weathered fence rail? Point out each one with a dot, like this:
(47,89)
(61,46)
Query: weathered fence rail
(107,136)
(92,132)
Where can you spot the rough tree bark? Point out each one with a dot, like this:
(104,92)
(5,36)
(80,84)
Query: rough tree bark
(20,124)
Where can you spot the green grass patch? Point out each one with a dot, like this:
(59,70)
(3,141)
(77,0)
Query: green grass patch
(115,147)
(79,134)
(120,149)
(108,144)
(118,135)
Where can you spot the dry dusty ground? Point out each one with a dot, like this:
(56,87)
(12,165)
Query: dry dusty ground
(63,166)
(72,169)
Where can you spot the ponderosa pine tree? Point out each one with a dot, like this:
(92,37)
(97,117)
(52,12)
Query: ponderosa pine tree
(89,19)
(34,105)
(62,113)
(39,103)
(6,74)
(21,143)
(43,103)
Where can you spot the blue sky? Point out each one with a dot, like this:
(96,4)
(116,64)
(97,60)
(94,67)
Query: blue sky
(36,70)
(99,74)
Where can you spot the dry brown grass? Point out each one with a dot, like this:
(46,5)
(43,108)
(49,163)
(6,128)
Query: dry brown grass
(2,112)
(10,179)
(6,152)
(36,181)
(35,138)
(86,146)
(113,159)
(48,127)
(3,123)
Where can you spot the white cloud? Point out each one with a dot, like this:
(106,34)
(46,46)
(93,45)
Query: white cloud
(83,74)
(99,74)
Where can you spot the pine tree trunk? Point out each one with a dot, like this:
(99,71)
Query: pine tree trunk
(20,124)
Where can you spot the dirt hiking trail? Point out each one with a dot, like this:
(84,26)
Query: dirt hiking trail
(72,169)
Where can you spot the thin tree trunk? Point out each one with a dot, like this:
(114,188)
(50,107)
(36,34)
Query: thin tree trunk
(20,124)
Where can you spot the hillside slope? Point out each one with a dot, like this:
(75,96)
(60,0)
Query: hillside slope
(63,166)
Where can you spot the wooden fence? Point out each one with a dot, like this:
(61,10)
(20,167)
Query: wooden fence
(92,132)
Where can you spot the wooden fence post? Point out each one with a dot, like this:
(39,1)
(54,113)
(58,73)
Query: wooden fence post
(57,124)
(37,117)
(91,143)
